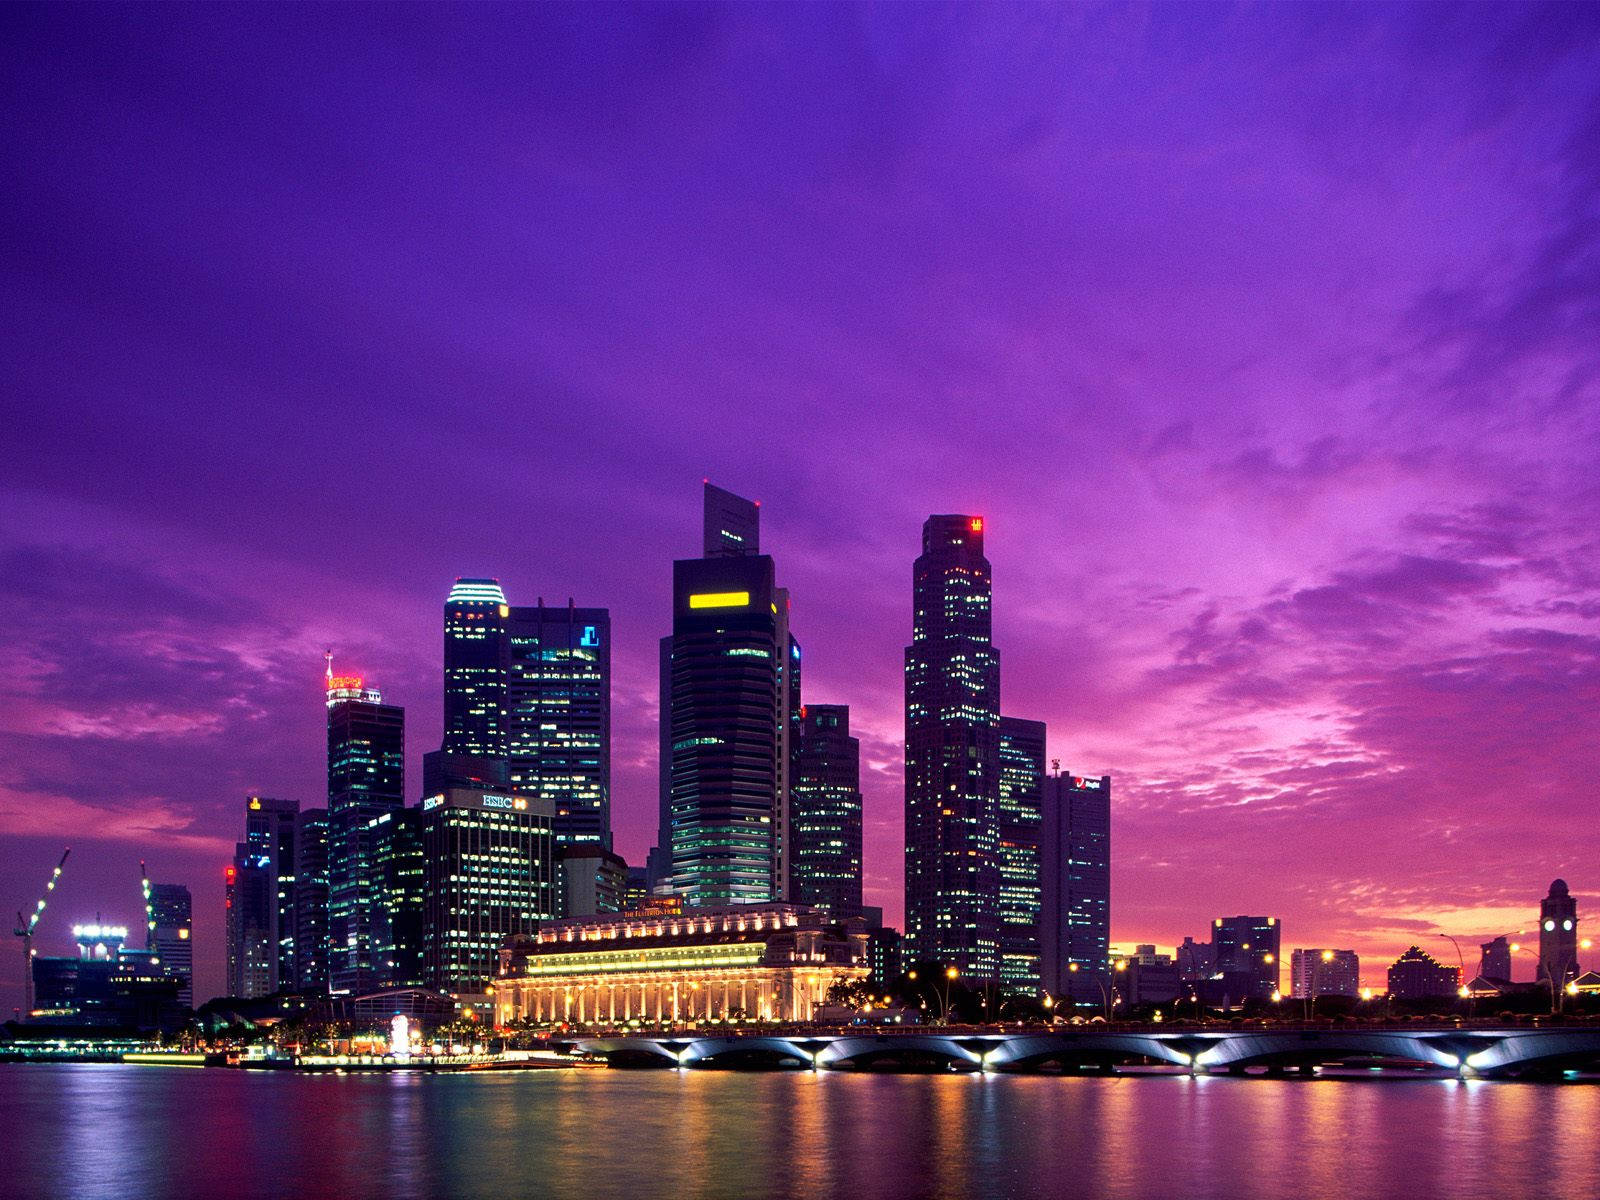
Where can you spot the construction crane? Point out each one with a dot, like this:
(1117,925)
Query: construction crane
(25,932)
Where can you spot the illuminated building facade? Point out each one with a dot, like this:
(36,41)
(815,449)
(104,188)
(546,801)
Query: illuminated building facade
(1021,822)
(825,820)
(730,703)
(589,880)
(757,962)
(1318,971)
(1075,886)
(169,919)
(1246,951)
(366,779)
(106,985)
(558,715)
(488,874)
(1558,935)
(952,775)
(475,613)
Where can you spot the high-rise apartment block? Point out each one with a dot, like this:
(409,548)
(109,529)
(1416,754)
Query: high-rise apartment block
(952,777)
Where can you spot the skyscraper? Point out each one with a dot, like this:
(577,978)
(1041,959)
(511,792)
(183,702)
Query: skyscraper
(1022,746)
(1075,887)
(475,613)
(730,700)
(366,778)
(953,755)
(249,894)
(558,715)
(169,920)
(311,901)
(825,821)
(398,872)
(488,873)
(1558,935)
(270,827)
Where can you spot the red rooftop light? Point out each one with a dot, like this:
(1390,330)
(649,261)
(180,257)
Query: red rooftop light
(977,524)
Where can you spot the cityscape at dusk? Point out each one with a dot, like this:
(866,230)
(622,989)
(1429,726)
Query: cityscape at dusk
(1191,407)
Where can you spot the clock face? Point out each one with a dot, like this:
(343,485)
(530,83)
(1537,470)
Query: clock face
(1566,924)
(1549,925)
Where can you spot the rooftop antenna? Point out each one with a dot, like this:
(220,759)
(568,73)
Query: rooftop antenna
(328,657)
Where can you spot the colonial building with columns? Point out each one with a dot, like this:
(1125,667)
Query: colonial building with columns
(749,962)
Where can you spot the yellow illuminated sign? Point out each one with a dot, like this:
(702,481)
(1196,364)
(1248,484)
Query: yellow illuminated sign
(719,600)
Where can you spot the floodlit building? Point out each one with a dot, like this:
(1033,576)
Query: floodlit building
(755,962)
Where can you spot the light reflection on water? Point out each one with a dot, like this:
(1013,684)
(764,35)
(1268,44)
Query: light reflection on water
(93,1131)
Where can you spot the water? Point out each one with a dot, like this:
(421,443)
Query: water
(133,1132)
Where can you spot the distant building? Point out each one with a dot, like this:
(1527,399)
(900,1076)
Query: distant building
(636,890)
(488,873)
(366,779)
(1021,817)
(825,818)
(1075,887)
(952,748)
(1196,960)
(590,880)
(169,917)
(1318,972)
(1416,975)
(270,827)
(1247,947)
(740,963)
(1147,979)
(1496,960)
(1558,935)
(884,956)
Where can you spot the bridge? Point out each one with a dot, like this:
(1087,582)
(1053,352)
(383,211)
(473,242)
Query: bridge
(1469,1052)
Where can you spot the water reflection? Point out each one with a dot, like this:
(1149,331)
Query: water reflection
(95,1132)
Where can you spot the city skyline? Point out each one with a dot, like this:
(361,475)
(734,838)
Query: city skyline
(1286,469)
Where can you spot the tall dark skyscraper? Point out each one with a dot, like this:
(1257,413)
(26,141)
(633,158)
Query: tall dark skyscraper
(1075,887)
(397,879)
(366,778)
(311,901)
(953,755)
(250,897)
(730,702)
(270,829)
(1022,748)
(475,669)
(558,715)
(169,921)
(825,820)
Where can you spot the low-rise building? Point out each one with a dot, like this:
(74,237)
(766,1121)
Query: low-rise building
(1317,971)
(750,962)
(1417,975)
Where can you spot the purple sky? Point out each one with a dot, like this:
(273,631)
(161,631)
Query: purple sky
(1265,339)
